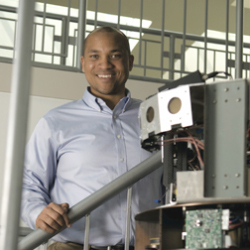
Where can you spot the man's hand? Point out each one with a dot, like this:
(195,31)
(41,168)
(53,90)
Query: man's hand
(53,217)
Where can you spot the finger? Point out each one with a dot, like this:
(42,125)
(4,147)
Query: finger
(49,218)
(54,215)
(65,207)
(47,224)
(61,209)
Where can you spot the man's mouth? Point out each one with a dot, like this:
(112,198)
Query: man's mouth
(104,76)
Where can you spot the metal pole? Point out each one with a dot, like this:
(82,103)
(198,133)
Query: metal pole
(183,48)
(86,236)
(13,176)
(140,31)
(81,31)
(128,222)
(239,38)
(119,14)
(85,206)
(205,38)
(171,56)
(227,32)
(162,37)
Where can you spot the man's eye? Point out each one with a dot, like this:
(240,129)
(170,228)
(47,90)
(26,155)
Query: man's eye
(94,56)
(116,56)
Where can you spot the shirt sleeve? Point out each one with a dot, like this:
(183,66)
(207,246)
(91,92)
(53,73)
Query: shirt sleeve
(39,172)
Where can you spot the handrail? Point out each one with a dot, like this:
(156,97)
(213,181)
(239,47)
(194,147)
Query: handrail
(85,206)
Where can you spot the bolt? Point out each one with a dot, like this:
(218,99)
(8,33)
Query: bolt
(237,175)
(226,89)
(238,100)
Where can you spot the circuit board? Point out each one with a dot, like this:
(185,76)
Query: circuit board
(204,229)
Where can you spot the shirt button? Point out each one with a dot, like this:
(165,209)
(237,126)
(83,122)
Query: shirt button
(115,116)
(118,136)
(121,159)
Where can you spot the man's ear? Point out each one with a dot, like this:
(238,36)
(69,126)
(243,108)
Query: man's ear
(131,62)
(83,64)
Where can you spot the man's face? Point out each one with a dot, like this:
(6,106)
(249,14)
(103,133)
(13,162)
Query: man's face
(106,64)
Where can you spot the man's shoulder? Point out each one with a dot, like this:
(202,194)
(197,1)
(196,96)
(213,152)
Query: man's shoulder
(65,108)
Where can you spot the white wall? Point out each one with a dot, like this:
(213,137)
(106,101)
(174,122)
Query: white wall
(51,88)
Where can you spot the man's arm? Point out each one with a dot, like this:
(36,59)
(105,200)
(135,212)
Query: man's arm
(39,176)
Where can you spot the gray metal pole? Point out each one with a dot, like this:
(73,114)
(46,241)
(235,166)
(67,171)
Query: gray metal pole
(205,38)
(128,222)
(86,236)
(16,140)
(239,38)
(162,38)
(81,31)
(93,201)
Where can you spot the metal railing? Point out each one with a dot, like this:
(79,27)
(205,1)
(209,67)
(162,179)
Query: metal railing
(56,41)
(93,201)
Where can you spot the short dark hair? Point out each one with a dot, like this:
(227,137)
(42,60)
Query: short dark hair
(108,29)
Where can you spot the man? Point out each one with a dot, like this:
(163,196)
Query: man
(79,147)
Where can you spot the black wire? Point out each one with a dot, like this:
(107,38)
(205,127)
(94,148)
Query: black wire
(215,73)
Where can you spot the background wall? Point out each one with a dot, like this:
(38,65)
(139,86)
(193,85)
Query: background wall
(49,89)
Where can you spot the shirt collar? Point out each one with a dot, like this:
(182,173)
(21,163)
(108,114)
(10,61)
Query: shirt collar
(99,105)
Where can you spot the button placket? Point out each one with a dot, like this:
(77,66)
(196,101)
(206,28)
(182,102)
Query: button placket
(121,152)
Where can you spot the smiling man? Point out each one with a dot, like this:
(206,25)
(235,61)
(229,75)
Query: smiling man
(79,147)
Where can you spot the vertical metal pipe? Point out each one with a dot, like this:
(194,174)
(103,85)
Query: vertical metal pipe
(96,11)
(183,48)
(53,47)
(44,23)
(205,38)
(145,59)
(162,37)
(82,17)
(65,36)
(140,32)
(119,14)
(239,39)
(227,32)
(86,235)
(171,56)
(17,127)
(34,42)
(128,222)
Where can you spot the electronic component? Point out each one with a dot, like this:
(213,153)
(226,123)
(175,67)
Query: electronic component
(204,229)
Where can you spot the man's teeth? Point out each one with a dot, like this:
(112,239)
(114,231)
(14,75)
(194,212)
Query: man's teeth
(104,76)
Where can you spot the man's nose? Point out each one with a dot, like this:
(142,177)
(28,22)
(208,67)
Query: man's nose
(105,62)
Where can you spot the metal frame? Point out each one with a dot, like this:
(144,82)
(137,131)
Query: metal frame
(12,181)
(159,36)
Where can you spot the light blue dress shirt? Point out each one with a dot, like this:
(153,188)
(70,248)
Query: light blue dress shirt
(75,150)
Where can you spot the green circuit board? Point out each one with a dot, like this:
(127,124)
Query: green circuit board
(204,229)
